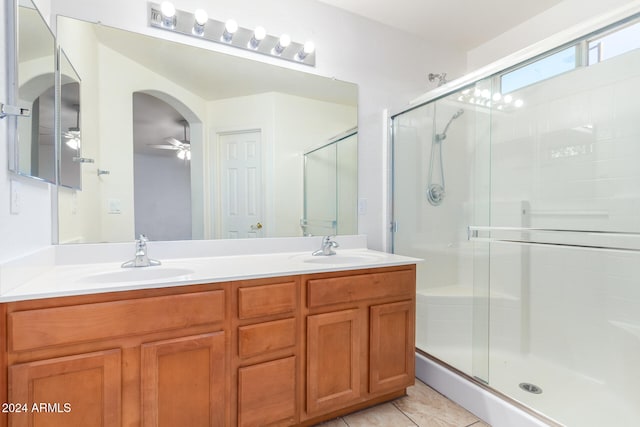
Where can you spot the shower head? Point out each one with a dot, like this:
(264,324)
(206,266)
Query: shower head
(457,114)
(442,136)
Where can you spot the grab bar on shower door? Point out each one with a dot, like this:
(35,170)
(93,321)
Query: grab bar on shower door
(579,239)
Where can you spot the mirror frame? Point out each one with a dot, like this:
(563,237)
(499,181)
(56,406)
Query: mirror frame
(76,160)
(12,8)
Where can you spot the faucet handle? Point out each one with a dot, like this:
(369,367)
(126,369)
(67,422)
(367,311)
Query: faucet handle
(142,238)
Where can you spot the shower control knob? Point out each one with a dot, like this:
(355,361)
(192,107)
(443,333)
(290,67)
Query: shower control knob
(435,194)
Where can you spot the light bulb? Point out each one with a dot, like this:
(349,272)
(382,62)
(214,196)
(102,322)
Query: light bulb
(168,11)
(486,93)
(508,99)
(201,16)
(283,42)
(497,96)
(258,35)
(519,103)
(230,27)
(308,48)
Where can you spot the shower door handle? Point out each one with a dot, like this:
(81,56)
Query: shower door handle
(577,239)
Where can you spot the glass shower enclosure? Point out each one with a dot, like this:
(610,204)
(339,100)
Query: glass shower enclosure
(521,192)
(331,187)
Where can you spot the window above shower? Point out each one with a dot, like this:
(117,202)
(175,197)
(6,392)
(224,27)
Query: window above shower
(600,47)
(614,43)
(539,70)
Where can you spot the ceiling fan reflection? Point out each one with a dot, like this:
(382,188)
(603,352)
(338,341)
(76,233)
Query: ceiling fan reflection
(183,147)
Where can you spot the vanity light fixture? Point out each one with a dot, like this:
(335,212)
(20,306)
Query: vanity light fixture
(168,14)
(200,19)
(198,24)
(484,98)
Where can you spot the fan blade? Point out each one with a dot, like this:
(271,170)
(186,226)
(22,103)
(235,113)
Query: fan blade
(174,142)
(164,147)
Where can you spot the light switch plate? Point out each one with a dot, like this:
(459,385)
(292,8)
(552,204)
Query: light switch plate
(362,206)
(114,206)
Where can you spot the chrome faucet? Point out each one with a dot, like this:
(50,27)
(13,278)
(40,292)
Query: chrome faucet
(141,259)
(326,248)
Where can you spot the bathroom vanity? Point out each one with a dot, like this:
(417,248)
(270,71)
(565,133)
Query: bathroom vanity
(280,350)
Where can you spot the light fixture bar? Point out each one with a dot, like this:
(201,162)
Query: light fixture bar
(243,38)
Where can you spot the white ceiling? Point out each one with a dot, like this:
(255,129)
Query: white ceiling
(462,24)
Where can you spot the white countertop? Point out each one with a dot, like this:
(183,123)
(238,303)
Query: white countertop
(89,278)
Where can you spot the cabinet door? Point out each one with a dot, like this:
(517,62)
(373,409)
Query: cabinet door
(392,346)
(79,390)
(267,393)
(333,360)
(183,381)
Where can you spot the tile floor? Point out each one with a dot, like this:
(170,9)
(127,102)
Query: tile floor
(422,407)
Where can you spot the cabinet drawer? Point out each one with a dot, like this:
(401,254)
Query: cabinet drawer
(265,300)
(88,322)
(337,290)
(265,337)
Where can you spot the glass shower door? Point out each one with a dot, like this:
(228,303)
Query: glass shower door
(441,178)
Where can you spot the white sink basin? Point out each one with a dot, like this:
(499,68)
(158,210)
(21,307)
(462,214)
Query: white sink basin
(139,274)
(341,258)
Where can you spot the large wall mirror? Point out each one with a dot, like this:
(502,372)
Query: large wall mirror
(189,143)
(33,154)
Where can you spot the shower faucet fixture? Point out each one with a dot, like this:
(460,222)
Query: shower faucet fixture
(435,190)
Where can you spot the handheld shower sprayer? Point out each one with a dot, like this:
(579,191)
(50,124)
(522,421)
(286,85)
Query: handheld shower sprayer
(442,136)
(436,191)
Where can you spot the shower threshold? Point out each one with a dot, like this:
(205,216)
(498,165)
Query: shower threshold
(495,408)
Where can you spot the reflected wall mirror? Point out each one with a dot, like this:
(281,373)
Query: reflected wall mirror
(235,131)
(33,152)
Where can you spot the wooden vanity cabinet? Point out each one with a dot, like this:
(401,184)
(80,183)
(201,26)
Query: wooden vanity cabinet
(360,341)
(280,351)
(266,350)
(150,358)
